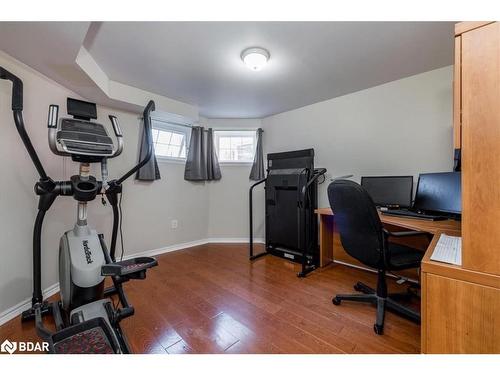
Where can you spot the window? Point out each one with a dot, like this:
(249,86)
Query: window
(235,146)
(170,140)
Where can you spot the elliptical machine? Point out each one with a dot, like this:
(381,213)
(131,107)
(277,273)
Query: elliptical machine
(85,318)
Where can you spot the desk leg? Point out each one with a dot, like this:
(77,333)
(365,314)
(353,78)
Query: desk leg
(325,239)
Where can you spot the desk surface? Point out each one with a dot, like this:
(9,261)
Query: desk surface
(451,227)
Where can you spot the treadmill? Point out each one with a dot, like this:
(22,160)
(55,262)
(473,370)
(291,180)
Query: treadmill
(291,197)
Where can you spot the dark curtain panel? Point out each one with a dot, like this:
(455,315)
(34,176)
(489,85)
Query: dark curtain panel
(213,168)
(196,162)
(258,172)
(150,171)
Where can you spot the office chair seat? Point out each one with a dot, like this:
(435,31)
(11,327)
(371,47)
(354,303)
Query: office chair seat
(403,257)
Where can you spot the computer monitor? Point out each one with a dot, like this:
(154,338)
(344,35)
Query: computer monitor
(439,192)
(389,191)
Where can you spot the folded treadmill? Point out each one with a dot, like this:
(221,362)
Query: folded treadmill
(291,195)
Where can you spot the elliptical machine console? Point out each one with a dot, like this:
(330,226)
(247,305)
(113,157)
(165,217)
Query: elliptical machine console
(85,319)
(80,138)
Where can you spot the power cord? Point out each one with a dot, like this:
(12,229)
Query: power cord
(120,226)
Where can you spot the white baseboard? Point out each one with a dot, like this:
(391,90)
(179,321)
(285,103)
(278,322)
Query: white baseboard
(16,310)
(167,249)
(233,240)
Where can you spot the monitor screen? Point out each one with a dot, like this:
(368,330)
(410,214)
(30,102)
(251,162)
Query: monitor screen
(389,190)
(440,192)
(81,109)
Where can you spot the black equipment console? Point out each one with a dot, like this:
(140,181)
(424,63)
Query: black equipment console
(79,137)
(291,197)
(84,138)
(81,109)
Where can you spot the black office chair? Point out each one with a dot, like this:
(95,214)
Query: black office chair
(364,238)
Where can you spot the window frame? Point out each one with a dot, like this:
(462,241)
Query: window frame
(166,126)
(232,130)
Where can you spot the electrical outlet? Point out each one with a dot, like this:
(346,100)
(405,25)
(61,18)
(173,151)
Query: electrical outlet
(174,224)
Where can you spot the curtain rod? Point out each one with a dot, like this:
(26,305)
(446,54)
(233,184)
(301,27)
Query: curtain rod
(191,126)
(168,122)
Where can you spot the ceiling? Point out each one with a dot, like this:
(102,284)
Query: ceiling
(199,62)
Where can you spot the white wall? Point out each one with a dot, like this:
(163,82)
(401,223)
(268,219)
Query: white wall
(147,207)
(402,127)
(228,197)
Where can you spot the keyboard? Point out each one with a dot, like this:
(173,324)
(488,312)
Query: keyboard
(448,250)
(413,214)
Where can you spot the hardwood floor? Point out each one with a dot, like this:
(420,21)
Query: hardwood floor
(211,299)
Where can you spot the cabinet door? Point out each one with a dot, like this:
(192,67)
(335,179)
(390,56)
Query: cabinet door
(481,148)
(460,317)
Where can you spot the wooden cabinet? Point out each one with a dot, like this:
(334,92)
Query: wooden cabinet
(460,304)
(462,317)
(460,28)
(480,101)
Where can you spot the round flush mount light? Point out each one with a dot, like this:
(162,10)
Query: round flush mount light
(255,58)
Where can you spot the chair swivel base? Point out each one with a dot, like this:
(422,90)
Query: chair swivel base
(389,302)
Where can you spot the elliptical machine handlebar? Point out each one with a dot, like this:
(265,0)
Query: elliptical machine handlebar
(17,89)
(147,133)
(17,110)
(119,136)
(114,186)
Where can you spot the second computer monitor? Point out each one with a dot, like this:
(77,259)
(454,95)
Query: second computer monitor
(439,192)
(389,191)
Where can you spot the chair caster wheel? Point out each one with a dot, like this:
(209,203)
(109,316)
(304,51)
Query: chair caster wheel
(336,301)
(379,330)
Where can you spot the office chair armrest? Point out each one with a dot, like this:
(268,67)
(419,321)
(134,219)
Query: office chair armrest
(405,233)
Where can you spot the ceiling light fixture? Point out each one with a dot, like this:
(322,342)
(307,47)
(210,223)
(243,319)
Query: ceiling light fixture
(255,58)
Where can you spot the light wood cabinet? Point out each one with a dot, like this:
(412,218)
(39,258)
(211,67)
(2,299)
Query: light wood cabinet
(460,304)
(462,316)
(480,101)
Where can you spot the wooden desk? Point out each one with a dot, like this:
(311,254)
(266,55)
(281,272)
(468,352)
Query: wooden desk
(331,248)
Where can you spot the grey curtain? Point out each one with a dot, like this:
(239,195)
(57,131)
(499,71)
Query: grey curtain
(196,162)
(213,168)
(202,163)
(258,172)
(150,171)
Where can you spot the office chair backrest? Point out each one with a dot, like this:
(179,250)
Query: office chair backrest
(358,222)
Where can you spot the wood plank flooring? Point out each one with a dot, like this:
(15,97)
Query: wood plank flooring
(211,299)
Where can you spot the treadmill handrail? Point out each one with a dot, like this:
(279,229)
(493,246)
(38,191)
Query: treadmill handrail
(317,173)
(147,133)
(17,109)
(251,216)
